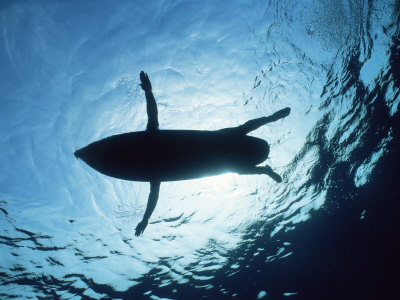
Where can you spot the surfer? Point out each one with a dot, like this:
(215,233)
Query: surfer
(157,155)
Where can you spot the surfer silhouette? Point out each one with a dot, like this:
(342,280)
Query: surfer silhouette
(157,155)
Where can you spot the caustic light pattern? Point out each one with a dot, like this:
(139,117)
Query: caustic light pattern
(69,77)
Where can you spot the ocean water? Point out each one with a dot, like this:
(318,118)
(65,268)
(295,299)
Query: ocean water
(69,76)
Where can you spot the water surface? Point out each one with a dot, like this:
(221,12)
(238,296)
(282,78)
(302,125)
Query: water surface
(70,75)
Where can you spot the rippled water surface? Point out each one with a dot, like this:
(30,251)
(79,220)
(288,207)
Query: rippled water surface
(70,76)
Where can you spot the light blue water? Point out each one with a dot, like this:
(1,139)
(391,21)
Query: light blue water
(69,76)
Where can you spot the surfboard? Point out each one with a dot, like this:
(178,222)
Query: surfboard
(169,155)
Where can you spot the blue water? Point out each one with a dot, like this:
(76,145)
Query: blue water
(69,76)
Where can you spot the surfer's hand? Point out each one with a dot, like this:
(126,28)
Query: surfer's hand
(141,227)
(146,84)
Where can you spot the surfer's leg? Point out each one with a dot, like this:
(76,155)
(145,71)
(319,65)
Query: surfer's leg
(151,205)
(152,112)
(267,170)
(256,123)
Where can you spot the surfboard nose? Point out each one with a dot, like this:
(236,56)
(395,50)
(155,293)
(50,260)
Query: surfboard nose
(83,153)
(92,155)
(76,153)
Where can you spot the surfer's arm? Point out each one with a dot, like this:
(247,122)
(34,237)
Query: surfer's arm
(151,205)
(256,123)
(152,112)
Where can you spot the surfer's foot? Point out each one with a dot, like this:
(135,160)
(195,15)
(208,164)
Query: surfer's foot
(268,171)
(284,112)
(280,114)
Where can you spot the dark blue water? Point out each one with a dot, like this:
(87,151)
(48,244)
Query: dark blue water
(69,76)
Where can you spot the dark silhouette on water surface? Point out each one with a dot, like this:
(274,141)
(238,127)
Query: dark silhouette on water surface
(157,155)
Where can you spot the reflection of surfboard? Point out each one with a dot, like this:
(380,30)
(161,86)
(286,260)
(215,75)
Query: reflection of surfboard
(167,155)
